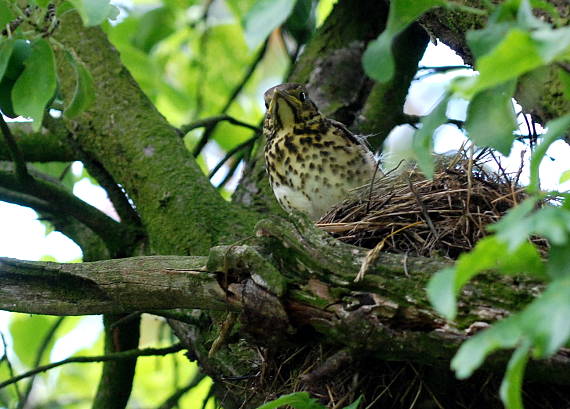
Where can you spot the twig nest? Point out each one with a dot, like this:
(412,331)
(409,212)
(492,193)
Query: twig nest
(406,213)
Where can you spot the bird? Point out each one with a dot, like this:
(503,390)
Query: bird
(313,162)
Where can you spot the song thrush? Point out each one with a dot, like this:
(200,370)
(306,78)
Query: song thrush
(312,161)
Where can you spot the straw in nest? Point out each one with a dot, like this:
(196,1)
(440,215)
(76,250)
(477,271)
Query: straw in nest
(403,212)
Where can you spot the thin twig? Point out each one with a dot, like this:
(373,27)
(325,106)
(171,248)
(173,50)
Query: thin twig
(414,119)
(250,70)
(423,209)
(237,90)
(16,154)
(373,254)
(130,354)
(231,153)
(39,356)
(9,364)
(124,320)
(172,400)
(213,120)
(231,172)
(469,177)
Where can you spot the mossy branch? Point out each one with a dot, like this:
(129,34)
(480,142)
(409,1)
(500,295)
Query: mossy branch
(295,276)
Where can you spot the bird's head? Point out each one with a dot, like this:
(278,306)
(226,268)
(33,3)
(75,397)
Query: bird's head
(289,104)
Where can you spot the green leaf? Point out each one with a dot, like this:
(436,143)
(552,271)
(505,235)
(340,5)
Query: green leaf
(559,261)
(94,12)
(154,26)
(20,53)
(544,323)
(299,400)
(378,60)
(489,253)
(302,21)
(42,3)
(546,319)
(84,93)
(472,353)
(513,227)
(512,57)
(482,41)
(511,387)
(564,177)
(565,80)
(526,19)
(423,138)
(6,47)
(491,118)
(6,14)
(552,45)
(553,223)
(442,294)
(518,225)
(28,331)
(264,17)
(37,84)
(556,129)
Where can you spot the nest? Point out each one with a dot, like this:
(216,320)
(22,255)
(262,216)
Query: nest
(403,212)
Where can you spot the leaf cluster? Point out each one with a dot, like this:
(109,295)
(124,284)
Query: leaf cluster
(28,71)
(513,43)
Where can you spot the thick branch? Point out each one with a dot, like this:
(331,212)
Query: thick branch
(47,195)
(110,286)
(386,314)
(385,103)
(38,146)
(123,131)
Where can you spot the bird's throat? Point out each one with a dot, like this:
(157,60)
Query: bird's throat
(284,112)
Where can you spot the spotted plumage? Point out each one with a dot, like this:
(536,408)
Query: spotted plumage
(312,161)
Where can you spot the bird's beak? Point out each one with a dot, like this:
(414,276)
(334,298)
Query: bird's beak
(283,107)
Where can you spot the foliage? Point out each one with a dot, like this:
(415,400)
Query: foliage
(513,43)
(302,400)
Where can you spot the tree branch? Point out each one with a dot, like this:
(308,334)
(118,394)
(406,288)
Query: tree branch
(116,194)
(116,381)
(172,400)
(46,194)
(181,211)
(373,316)
(110,286)
(385,103)
(214,120)
(540,93)
(237,90)
(130,354)
(48,337)
(39,146)
(15,154)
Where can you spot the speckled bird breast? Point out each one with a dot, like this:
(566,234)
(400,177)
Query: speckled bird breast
(313,167)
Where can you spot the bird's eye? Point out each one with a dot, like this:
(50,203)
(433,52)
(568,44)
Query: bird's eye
(302,96)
